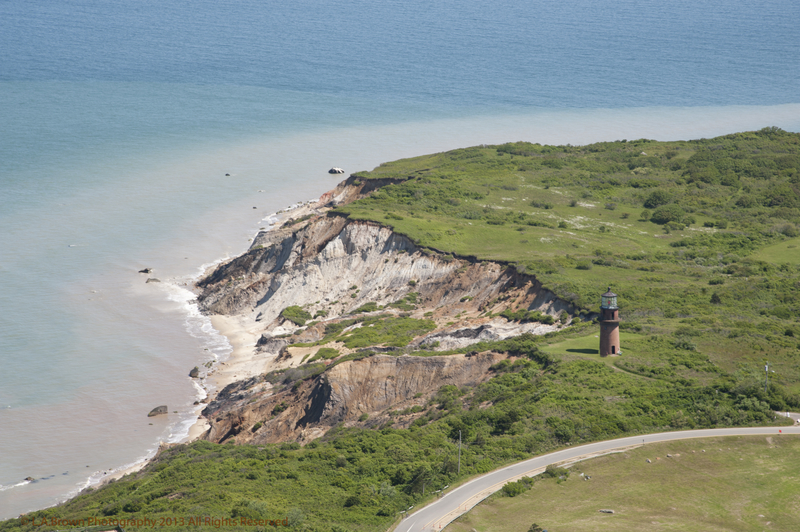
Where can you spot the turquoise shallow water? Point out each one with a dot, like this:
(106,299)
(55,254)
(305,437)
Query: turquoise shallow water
(120,123)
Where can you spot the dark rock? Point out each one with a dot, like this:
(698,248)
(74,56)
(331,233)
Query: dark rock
(271,345)
(29,479)
(159,410)
(146,270)
(607,511)
(335,170)
(227,175)
(194,373)
(153,280)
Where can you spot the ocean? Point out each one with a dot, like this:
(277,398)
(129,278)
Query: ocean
(164,134)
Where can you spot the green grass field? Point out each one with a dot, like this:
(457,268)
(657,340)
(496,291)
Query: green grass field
(782,252)
(737,484)
(721,275)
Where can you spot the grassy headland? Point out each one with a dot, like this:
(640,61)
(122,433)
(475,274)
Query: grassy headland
(709,289)
(710,484)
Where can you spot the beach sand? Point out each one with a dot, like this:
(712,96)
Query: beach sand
(243,333)
(242,363)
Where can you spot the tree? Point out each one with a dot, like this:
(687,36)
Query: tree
(645,216)
(666,214)
(657,198)
(715,299)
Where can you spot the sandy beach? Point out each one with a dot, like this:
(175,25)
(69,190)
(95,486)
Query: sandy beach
(242,334)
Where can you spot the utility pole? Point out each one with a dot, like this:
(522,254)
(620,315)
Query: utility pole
(459,452)
(766,377)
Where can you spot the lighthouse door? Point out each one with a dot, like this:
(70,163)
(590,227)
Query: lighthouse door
(613,350)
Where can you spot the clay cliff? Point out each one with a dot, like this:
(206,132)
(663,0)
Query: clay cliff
(331,267)
(370,392)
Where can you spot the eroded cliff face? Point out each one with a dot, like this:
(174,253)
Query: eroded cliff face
(335,265)
(353,393)
(331,266)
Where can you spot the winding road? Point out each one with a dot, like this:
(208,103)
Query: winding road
(460,500)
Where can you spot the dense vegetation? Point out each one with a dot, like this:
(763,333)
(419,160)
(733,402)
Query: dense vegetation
(699,239)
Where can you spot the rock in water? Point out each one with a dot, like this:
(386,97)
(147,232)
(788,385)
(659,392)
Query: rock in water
(335,170)
(194,373)
(146,270)
(153,280)
(159,410)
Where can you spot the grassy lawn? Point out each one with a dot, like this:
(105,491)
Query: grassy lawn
(588,346)
(738,483)
(787,251)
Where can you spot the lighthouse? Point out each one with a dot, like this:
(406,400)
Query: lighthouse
(609,324)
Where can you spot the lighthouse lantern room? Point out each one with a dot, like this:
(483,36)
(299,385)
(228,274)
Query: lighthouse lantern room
(609,324)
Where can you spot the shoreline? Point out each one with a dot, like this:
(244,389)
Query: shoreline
(241,333)
(240,363)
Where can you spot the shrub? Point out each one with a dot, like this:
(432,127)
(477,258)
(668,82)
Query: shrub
(657,198)
(645,215)
(367,307)
(611,206)
(747,201)
(512,489)
(553,471)
(666,214)
(296,315)
(675,226)
(325,353)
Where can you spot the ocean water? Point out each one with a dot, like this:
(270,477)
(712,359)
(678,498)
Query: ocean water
(120,122)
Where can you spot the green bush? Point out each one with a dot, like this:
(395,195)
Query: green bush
(657,198)
(296,315)
(367,307)
(666,214)
(325,353)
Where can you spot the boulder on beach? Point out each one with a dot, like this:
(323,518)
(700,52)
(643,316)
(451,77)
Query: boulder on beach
(146,270)
(29,479)
(159,410)
(335,170)
(195,372)
(153,280)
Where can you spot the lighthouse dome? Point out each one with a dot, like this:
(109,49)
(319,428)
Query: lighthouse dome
(608,300)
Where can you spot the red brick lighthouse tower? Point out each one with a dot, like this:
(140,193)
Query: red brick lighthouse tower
(609,324)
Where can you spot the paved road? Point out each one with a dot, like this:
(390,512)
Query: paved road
(460,500)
